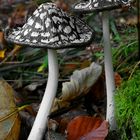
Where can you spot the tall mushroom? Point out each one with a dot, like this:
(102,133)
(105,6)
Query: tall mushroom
(50,27)
(104,6)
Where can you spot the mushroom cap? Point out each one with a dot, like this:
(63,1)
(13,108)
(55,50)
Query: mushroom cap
(85,6)
(51,27)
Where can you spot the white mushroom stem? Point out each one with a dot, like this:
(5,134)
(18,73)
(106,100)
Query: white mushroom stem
(109,74)
(41,121)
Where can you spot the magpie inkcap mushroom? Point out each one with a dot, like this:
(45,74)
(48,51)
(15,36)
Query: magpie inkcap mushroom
(105,6)
(50,27)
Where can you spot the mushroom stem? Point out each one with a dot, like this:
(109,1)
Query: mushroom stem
(109,74)
(41,120)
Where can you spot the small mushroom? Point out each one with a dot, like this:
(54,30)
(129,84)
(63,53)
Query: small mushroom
(52,28)
(104,6)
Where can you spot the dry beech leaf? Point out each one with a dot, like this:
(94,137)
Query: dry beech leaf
(65,118)
(81,126)
(80,83)
(99,134)
(9,127)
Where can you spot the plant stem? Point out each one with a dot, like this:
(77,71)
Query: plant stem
(41,120)
(109,74)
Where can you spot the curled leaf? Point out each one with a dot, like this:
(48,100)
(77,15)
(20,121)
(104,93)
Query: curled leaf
(80,83)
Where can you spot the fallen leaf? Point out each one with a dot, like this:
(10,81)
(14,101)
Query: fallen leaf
(99,134)
(81,126)
(80,83)
(65,118)
(9,124)
(97,91)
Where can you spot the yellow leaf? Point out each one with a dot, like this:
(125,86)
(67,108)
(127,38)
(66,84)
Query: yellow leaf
(2,53)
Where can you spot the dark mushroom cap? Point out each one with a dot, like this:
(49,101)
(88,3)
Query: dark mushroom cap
(50,27)
(86,6)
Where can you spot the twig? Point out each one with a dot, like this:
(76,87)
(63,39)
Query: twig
(13,113)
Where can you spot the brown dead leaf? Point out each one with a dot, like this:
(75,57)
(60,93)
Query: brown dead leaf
(99,134)
(97,91)
(65,118)
(81,126)
(118,79)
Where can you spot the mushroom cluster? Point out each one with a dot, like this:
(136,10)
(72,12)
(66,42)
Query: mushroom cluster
(52,28)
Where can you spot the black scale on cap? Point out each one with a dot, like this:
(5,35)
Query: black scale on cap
(50,27)
(98,5)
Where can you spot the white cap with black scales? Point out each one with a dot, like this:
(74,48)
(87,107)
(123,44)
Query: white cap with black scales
(50,27)
(98,5)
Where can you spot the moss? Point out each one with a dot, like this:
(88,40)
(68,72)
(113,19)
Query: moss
(127,101)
